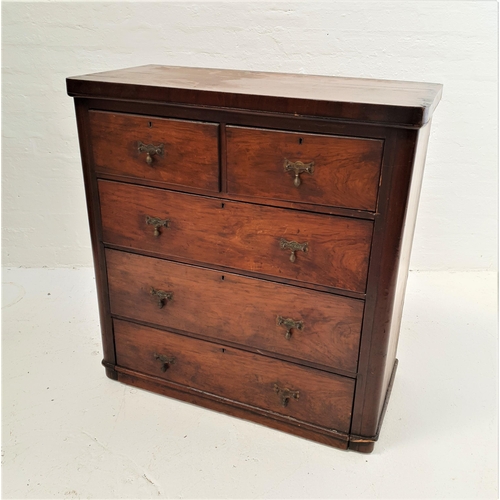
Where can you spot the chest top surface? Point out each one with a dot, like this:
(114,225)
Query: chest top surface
(408,104)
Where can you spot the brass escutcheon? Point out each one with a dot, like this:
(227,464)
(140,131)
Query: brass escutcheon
(285,394)
(166,361)
(293,246)
(298,168)
(156,222)
(161,296)
(150,151)
(289,323)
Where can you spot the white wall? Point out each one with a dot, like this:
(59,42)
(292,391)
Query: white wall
(450,42)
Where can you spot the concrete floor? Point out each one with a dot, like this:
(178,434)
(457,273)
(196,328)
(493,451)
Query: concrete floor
(70,432)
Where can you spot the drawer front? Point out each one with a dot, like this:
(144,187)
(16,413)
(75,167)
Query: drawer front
(334,171)
(309,395)
(313,248)
(227,307)
(188,153)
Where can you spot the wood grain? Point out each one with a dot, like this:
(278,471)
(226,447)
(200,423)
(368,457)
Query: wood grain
(324,399)
(228,307)
(382,101)
(346,170)
(94,218)
(191,155)
(238,235)
(357,215)
(384,293)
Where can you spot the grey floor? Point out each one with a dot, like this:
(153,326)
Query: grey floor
(70,432)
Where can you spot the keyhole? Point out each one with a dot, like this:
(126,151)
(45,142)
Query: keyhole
(222,205)
(222,278)
(222,350)
(300,140)
(150,124)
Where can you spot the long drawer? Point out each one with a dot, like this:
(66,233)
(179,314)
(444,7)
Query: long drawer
(290,390)
(311,248)
(291,321)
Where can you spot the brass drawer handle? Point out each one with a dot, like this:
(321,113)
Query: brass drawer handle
(166,361)
(293,246)
(157,223)
(150,151)
(298,168)
(289,323)
(285,394)
(161,296)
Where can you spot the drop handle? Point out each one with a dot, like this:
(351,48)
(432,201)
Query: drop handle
(298,167)
(288,324)
(150,151)
(285,394)
(293,246)
(161,296)
(166,361)
(157,223)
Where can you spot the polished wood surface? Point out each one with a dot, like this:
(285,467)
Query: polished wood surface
(377,332)
(346,170)
(238,235)
(221,250)
(94,217)
(324,399)
(381,101)
(404,164)
(190,157)
(234,308)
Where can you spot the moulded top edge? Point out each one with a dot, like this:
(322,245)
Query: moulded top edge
(382,101)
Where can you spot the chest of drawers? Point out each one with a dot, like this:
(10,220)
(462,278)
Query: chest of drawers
(251,235)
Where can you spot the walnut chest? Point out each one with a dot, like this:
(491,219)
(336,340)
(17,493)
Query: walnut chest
(251,235)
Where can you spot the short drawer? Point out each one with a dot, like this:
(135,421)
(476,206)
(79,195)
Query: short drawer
(176,152)
(280,387)
(303,324)
(312,248)
(306,168)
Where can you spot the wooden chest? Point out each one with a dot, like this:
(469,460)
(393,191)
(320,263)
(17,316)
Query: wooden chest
(251,236)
